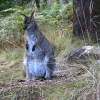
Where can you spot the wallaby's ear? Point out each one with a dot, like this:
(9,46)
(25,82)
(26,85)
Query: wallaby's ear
(32,14)
(23,16)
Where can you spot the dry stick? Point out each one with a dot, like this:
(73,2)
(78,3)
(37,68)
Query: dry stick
(93,22)
(98,92)
(11,43)
(85,20)
(68,73)
(76,2)
(78,19)
(90,9)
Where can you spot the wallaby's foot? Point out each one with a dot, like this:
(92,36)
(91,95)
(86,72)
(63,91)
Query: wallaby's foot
(29,80)
(45,80)
(42,79)
(25,81)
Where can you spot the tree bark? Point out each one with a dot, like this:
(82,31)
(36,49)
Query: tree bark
(49,2)
(87,19)
(62,2)
(37,3)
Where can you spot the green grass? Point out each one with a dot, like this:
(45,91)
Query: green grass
(11,61)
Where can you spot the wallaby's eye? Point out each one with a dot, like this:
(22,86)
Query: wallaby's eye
(29,22)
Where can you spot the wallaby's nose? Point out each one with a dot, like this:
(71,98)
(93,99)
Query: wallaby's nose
(24,27)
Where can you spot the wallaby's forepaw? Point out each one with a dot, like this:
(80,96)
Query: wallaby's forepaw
(33,48)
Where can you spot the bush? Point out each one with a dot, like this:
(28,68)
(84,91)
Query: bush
(5,4)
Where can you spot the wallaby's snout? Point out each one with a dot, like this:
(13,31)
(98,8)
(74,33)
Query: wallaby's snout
(24,27)
(28,20)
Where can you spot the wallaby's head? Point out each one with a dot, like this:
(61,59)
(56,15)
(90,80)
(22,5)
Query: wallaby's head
(29,22)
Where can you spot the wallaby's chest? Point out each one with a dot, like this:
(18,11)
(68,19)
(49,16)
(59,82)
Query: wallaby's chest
(32,47)
(30,38)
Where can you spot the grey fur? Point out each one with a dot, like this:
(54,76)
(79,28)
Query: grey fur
(39,58)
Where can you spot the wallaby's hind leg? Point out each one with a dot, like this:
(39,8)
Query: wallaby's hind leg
(48,73)
(28,77)
(50,68)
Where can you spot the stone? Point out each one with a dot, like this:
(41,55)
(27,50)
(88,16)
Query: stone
(83,55)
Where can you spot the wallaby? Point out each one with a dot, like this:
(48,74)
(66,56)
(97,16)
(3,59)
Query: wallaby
(39,60)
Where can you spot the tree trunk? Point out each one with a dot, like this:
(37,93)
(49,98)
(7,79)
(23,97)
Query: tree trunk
(87,19)
(62,2)
(37,3)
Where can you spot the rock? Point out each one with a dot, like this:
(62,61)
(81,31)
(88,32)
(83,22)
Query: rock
(98,61)
(88,74)
(83,55)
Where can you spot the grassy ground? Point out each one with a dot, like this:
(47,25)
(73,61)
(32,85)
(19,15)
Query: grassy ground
(75,87)
(72,88)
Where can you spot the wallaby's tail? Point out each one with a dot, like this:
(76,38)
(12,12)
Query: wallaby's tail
(71,72)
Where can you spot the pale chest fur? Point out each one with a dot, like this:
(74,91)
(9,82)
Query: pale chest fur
(36,67)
